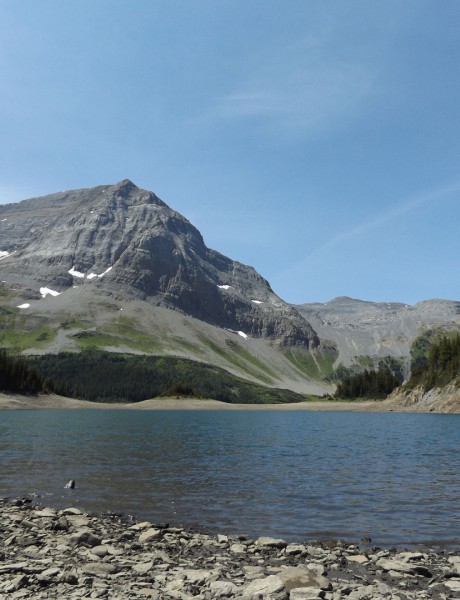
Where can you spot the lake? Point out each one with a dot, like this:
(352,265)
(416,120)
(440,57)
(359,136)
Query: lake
(298,475)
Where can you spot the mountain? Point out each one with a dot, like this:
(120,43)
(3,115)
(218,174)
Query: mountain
(366,332)
(71,262)
(115,268)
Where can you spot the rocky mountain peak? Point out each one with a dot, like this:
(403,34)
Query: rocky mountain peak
(127,241)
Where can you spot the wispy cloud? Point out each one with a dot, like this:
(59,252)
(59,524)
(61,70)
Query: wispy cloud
(431,197)
(300,96)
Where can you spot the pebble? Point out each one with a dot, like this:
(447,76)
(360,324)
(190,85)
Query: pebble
(49,553)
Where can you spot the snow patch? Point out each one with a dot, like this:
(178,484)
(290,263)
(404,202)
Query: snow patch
(224,287)
(44,291)
(242,334)
(91,276)
(4,219)
(26,305)
(257,301)
(76,273)
(105,272)
(4,254)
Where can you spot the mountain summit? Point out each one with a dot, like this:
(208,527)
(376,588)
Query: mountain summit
(126,241)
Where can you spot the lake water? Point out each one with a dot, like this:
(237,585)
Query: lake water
(297,475)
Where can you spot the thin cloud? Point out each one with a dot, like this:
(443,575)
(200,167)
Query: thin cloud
(431,197)
(306,98)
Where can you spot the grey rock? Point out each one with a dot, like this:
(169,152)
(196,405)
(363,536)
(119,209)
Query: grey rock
(99,569)
(268,587)
(85,538)
(301,577)
(149,535)
(100,551)
(183,564)
(453,585)
(17,583)
(306,594)
(72,511)
(143,567)
(271,542)
(69,577)
(222,589)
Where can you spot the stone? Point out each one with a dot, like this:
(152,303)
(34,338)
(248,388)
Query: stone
(149,535)
(361,559)
(71,511)
(317,568)
(300,577)
(17,583)
(222,589)
(139,526)
(222,539)
(271,586)
(99,569)
(270,542)
(294,549)
(410,556)
(69,577)
(453,585)
(85,538)
(391,564)
(306,594)
(45,513)
(143,568)
(183,565)
(100,551)
(238,549)
(48,575)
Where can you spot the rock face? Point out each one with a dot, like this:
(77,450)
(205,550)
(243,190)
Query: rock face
(129,242)
(377,329)
(44,554)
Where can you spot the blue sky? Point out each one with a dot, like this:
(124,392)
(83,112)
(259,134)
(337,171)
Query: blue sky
(316,141)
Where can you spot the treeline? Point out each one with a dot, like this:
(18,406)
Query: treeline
(17,375)
(108,377)
(435,362)
(438,365)
(369,384)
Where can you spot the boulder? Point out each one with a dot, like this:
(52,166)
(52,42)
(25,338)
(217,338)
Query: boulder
(268,587)
(300,577)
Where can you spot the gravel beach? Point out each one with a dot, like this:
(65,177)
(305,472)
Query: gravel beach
(50,553)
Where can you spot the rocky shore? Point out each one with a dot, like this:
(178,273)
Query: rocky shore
(66,554)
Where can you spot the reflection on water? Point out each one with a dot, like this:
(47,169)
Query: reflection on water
(299,475)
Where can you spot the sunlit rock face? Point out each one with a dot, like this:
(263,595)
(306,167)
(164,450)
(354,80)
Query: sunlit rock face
(129,242)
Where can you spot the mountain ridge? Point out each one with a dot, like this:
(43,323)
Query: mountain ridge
(114,267)
(133,239)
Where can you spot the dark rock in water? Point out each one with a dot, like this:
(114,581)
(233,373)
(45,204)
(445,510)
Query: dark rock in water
(70,485)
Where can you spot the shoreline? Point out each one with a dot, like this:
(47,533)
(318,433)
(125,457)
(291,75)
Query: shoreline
(67,553)
(53,402)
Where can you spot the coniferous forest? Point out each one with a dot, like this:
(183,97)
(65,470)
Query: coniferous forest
(369,384)
(108,377)
(17,375)
(435,363)
(439,365)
